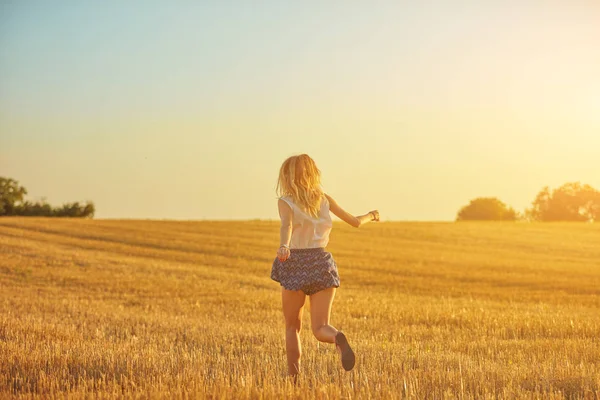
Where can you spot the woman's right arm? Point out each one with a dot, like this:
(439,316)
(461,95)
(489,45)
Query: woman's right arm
(350,219)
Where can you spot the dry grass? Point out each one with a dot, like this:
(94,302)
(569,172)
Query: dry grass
(187,309)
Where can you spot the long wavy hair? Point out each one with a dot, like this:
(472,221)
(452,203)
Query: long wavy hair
(300,179)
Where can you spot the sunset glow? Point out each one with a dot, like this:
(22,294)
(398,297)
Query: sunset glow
(188,112)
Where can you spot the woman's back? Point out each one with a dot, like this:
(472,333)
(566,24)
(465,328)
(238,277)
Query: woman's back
(308,231)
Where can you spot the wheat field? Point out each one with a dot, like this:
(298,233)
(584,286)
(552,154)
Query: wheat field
(173,309)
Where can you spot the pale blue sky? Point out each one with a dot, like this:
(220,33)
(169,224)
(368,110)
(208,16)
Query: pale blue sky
(185,109)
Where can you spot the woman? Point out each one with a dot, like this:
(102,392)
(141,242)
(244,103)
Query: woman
(303,267)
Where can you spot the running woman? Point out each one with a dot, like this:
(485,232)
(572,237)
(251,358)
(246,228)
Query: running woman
(303,267)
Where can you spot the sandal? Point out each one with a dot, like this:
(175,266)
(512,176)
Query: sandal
(348,357)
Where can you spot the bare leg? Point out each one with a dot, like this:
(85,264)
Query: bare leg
(320,308)
(293,305)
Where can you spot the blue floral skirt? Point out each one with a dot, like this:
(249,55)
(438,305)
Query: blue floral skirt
(310,270)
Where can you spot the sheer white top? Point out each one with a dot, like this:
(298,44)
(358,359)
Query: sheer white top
(307,231)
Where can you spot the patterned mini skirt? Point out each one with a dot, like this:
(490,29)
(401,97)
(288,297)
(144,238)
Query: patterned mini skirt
(310,270)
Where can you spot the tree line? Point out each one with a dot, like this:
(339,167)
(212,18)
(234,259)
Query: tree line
(12,203)
(570,202)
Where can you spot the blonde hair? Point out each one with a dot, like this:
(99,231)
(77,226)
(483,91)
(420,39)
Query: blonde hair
(300,179)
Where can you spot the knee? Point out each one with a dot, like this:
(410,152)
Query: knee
(316,330)
(293,326)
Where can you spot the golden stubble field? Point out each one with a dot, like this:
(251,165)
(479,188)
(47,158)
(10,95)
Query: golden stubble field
(146,309)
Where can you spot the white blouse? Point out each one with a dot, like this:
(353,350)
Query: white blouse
(307,231)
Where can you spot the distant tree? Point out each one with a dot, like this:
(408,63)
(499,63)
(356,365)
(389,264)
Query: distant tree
(486,209)
(76,209)
(570,202)
(11,193)
(29,209)
(12,203)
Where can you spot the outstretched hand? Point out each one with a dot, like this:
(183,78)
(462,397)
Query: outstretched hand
(375,215)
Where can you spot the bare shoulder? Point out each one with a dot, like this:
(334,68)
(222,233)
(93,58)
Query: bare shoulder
(285,210)
(329,198)
(286,202)
(283,202)
(333,205)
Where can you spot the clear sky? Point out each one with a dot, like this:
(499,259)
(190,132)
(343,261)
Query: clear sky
(182,109)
